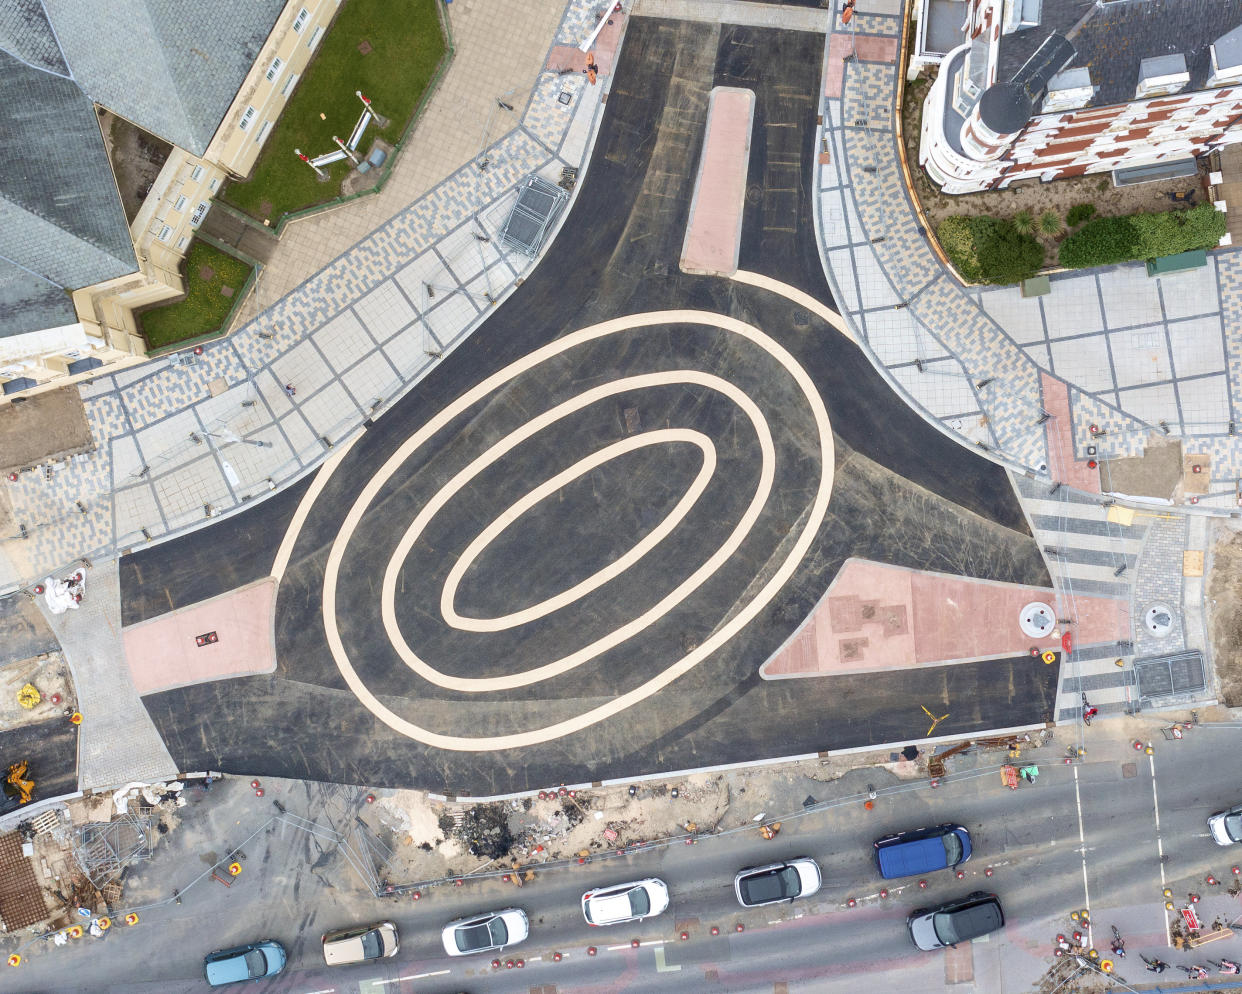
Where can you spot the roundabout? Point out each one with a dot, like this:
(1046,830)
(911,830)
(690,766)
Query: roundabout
(568,553)
(635,627)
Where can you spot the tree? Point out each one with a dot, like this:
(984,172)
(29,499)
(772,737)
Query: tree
(989,249)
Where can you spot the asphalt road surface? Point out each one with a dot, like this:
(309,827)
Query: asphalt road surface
(809,460)
(1082,836)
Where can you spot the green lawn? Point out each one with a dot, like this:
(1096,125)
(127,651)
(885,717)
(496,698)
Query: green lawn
(206,306)
(406,42)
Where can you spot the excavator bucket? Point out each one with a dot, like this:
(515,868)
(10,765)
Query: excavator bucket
(16,785)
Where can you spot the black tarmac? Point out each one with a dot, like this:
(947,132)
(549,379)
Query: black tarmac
(903,494)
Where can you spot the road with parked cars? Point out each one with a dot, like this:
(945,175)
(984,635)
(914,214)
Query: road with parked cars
(1104,833)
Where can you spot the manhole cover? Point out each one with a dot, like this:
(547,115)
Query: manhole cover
(1037,620)
(1159,619)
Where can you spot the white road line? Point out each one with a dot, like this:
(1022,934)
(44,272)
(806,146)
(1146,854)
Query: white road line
(625,386)
(304,505)
(423,976)
(662,965)
(743,615)
(326,990)
(1155,806)
(792,293)
(1082,851)
(663,436)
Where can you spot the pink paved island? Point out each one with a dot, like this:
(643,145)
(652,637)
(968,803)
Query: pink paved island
(162,653)
(714,231)
(879,617)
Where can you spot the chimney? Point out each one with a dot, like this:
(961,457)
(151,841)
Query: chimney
(1069,90)
(1161,75)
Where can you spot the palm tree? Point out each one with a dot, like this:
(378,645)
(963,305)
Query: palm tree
(1023,223)
(1050,222)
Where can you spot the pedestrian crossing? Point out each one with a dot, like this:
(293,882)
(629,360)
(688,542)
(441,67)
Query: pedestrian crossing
(1089,553)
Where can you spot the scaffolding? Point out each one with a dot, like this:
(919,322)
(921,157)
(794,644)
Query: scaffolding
(538,205)
(104,849)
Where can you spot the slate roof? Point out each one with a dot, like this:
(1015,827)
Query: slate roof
(1112,39)
(28,303)
(172,67)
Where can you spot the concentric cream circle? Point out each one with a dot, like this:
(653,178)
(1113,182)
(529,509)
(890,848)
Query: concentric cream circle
(743,613)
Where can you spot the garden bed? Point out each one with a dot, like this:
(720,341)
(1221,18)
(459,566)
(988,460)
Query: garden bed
(1034,198)
(389,50)
(214,283)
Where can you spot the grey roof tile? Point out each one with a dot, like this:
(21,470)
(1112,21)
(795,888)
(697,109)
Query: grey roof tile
(1113,39)
(169,66)
(60,215)
(28,303)
(26,34)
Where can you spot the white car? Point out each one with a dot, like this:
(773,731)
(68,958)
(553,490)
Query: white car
(486,932)
(759,885)
(1226,826)
(630,902)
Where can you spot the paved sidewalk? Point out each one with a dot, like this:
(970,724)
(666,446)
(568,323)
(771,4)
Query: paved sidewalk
(1025,380)
(118,743)
(500,49)
(182,440)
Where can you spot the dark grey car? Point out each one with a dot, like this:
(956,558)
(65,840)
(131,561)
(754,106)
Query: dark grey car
(956,921)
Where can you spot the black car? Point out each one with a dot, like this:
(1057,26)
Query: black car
(957,921)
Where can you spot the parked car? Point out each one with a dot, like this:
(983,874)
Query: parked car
(957,921)
(1226,826)
(922,850)
(264,958)
(759,885)
(630,902)
(360,944)
(485,933)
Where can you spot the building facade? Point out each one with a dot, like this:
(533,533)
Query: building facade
(1056,89)
(210,82)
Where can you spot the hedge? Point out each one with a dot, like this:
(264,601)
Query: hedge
(1109,240)
(989,249)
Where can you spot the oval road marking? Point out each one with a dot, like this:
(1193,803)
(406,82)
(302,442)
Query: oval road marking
(629,384)
(742,617)
(511,514)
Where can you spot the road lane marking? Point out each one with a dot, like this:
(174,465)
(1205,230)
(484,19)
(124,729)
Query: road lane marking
(511,514)
(662,965)
(793,294)
(1082,851)
(706,570)
(304,505)
(795,551)
(1155,806)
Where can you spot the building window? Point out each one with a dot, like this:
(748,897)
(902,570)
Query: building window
(273,72)
(196,174)
(213,184)
(183,241)
(246,118)
(262,132)
(165,233)
(299,22)
(314,38)
(284,90)
(180,204)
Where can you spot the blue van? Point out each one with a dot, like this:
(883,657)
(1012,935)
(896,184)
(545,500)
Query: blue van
(922,850)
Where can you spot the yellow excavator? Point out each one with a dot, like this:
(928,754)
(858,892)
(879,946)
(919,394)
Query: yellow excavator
(17,787)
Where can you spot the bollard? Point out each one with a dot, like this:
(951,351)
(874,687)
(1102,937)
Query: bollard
(715,930)
(635,943)
(591,950)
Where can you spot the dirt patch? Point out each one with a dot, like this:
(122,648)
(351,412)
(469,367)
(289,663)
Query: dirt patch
(137,157)
(1156,473)
(44,427)
(1031,196)
(49,675)
(1224,610)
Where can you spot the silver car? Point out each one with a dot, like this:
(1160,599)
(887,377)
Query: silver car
(756,886)
(630,902)
(486,932)
(1226,826)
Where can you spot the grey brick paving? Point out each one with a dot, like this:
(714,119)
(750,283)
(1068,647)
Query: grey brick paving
(118,742)
(1159,580)
(147,418)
